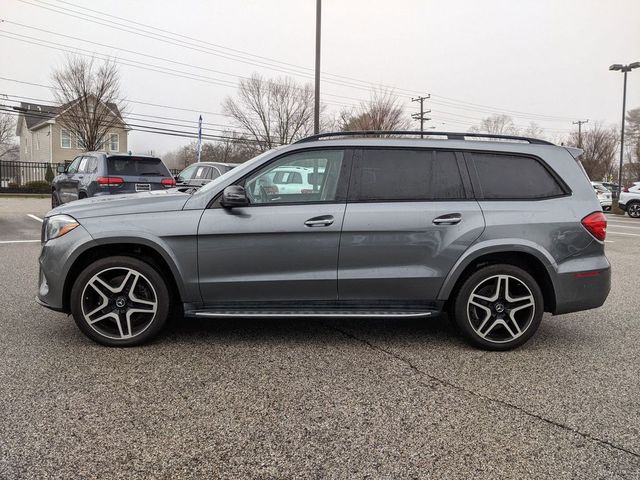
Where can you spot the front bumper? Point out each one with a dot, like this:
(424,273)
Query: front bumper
(622,206)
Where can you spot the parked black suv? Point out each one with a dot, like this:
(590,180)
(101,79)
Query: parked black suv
(94,174)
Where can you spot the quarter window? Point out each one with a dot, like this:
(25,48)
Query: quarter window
(283,181)
(407,175)
(65,138)
(514,177)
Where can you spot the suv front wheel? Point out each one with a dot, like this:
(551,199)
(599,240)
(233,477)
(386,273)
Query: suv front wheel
(499,307)
(120,301)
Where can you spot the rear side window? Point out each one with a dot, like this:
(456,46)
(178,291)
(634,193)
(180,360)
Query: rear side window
(137,166)
(399,174)
(514,177)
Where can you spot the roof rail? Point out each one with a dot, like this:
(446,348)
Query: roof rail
(449,135)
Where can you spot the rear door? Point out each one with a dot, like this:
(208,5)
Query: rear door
(410,215)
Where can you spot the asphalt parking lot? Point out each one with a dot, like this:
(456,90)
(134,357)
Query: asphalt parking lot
(316,399)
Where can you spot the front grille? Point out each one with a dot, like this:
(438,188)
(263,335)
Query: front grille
(143,187)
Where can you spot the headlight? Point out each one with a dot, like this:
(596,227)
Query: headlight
(57,226)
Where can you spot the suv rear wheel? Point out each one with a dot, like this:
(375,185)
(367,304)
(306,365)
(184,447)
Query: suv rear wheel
(120,301)
(499,307)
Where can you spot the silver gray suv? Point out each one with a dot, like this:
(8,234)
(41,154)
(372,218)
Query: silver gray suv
(494,233)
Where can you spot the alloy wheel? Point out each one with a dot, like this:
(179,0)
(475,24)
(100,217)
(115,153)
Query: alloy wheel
(634,210)
(501,308)
(119,303)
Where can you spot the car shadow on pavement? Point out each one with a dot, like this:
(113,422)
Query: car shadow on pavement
(431,330)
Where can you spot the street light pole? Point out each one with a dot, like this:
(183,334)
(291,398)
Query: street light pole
(316,111)
(624,69)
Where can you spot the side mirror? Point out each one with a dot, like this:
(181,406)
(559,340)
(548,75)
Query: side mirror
(60,169)
(234,196)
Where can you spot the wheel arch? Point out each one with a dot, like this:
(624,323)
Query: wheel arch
(533,261)
(136,249)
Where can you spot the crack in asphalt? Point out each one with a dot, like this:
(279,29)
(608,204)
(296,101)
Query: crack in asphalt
(486,398)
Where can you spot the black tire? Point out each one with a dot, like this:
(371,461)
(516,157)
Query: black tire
(55,199)
(633,209)
(148,284)
(469,318)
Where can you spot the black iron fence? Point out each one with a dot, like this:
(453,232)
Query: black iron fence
(26,177)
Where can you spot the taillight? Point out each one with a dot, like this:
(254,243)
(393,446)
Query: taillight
(109,180)
(596,225)
(271,189)
(168,182)
(625,189)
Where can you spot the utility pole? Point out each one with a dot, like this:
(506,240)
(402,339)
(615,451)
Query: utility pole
(316,111)
(420,116)
(579,123)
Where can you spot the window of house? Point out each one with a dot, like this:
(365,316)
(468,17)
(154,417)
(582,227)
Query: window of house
(114,142)
(65,138)
(407,175)
(514,177)
(80,142)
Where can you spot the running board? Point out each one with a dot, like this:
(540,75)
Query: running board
(309,314)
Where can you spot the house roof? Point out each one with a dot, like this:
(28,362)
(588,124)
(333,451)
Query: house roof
(36,114)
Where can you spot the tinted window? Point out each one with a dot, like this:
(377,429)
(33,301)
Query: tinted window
(281,181)
(214,172)
(514,177)
(136,166)
(83,165)
(397,174)
(73,168)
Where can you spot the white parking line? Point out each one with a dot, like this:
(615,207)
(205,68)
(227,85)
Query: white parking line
(612,225)
(18,241)
(34,217)
(623,233)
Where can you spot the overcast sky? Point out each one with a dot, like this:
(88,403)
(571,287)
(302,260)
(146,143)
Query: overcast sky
(543,60)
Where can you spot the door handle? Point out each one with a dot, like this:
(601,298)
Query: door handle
(322,221)
(448,219)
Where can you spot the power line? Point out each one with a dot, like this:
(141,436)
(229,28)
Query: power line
(198,45)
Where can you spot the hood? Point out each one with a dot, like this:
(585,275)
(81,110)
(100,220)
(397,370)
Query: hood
(147,202)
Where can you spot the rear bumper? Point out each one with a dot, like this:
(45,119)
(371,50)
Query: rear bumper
(582,289)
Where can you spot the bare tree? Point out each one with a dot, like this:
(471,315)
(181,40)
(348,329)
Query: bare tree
(600,145)
(273,112)
(90,99)
(8,147)
(496,125)
(533,131)
(382,112)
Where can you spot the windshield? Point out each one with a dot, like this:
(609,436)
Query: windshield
(136,166)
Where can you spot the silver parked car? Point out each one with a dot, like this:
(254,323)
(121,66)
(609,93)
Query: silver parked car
(494,233)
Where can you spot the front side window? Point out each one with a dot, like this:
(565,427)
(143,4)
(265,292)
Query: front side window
(407,175)
(65,138)
(73,168)
(310,176)
(514,177)
(83,165)
(114,142)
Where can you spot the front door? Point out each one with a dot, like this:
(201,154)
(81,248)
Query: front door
(410,216)
(283,246)
(69,183)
